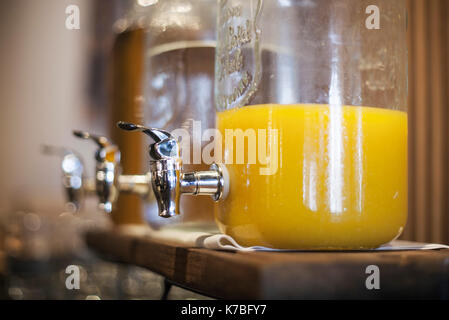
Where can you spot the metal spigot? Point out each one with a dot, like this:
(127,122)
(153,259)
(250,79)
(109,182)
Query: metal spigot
(167,179)
(106,171)
(109,181)
(75,184)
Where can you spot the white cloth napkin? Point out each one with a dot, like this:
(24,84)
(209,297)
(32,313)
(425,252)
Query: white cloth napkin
(211,239)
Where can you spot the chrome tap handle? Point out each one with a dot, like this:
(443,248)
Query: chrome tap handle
(104,146)
(164,146)
(56,151)
(107,169)
(165,167)
(167,179)
(73,179)
(157,134)
(101,141)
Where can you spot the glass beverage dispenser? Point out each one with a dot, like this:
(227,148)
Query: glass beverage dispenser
(163,75)
(179,88)
(311,146)
(322,85)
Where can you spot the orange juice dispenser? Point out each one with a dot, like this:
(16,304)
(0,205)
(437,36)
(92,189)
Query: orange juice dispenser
(311,143)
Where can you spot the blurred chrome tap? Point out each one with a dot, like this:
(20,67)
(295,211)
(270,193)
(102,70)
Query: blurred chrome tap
(167,179)
(75,184)
(109,181)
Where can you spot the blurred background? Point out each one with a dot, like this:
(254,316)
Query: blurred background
(428,121)
(54,80)
(50,84)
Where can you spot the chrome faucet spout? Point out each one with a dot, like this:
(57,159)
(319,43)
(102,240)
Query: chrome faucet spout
(168,181)
(73,179)
(107,169)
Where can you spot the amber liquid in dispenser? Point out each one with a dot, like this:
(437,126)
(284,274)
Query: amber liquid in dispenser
(180,87)
(125,91)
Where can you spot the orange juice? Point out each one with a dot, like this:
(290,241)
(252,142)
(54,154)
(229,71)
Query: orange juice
(340,181)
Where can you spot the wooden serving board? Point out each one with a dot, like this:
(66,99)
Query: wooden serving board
(281,275)
(2,263)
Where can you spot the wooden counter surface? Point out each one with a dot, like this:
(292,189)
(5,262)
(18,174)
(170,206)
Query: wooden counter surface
(2,263)
(281,275)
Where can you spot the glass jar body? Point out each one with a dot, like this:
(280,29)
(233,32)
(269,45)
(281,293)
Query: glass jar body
(179,91)
(315,92)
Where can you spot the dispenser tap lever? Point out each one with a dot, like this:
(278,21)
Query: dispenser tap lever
(107,169)
(165,145)
(167,179)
